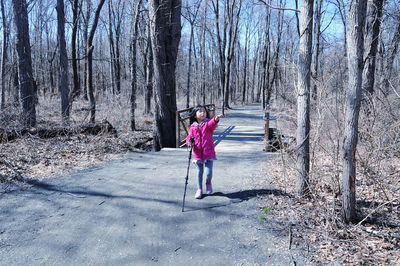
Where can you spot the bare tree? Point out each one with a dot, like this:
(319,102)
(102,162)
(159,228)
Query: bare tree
(62,48)
(111,46)
(115,19)
(233,13)
(76,89)
(89,59)
(165,27)
(149,76)
(391,54)
(373,25)
(343,15)
(317,35)
(203,53)
(135,30)
(221,46)
(355,49)
(3,54)
(85,33)
(303,98)
(190,16)
(25,74)
(266,57)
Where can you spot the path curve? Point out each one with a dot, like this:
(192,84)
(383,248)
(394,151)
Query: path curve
(128,211)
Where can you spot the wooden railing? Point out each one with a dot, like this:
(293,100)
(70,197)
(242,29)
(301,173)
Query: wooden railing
(182,123)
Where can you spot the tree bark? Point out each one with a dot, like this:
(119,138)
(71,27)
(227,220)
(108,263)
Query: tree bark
(165,27)
(63,80)
(303,98)
(355,47)
(373,26)
(25,75)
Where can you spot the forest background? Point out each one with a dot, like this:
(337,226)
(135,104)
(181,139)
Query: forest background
(95,97)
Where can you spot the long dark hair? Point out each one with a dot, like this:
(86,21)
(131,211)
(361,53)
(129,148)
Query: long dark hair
(193,113)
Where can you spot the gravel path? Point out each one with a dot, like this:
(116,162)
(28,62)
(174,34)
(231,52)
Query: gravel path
(128,212)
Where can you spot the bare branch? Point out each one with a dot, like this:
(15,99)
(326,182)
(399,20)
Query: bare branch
(279,8)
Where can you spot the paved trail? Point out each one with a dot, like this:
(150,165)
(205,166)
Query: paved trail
(128,212)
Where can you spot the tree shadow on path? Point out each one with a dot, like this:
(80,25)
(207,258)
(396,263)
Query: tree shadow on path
(240,196)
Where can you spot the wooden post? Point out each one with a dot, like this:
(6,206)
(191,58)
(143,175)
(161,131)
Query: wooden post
(178,132)
(266,128)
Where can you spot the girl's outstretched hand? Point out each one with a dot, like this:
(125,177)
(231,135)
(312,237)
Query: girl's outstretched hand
(217,117)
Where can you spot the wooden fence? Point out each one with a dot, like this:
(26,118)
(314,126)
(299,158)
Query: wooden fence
(182,123)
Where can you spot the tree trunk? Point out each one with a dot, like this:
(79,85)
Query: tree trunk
(373,27)
(149,78)
(15,79)
(317,32)
(303,98)
(203,55)
(392,51)
(342,10)
(189,66)
(165,27)
(133,64)
(3,55)
(89,51)
(118,15)
(254,73)
(85,40)
(276,57)
(63,80)
(111,48)
(26,82)
(232,35)
(245,63)
(266,59)
(77,89)
(355,47)
(221,52)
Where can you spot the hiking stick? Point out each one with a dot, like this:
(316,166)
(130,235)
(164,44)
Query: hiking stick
(187,172)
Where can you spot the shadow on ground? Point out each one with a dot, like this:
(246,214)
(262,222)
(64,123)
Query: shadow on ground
(240,196)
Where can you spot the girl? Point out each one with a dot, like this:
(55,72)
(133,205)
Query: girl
(202,129)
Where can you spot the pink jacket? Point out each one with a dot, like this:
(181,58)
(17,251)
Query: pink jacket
(203,147)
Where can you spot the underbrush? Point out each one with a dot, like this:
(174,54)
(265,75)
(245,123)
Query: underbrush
(314,223)
(30,156)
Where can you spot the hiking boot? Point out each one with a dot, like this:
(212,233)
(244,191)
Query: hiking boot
(209,188)
(199,194)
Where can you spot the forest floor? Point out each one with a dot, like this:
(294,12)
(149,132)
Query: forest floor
(32,157)
(313,223)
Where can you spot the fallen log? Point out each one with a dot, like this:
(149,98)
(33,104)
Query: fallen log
(46,133)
